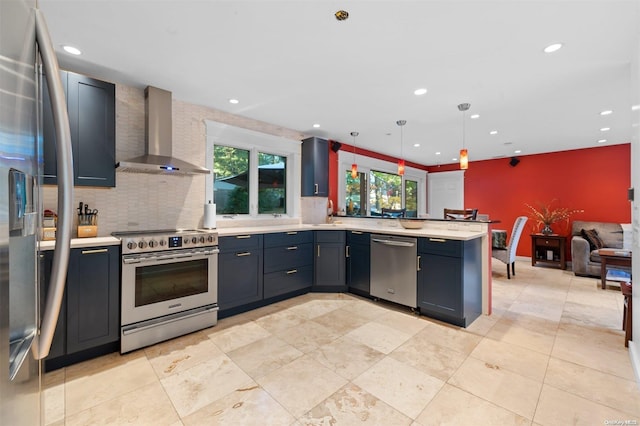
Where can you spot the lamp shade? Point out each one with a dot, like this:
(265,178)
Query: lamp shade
(354,170)
(464,159)
(401,167)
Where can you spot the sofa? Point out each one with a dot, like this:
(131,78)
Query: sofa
(584,256)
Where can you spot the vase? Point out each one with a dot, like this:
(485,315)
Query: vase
(547,229)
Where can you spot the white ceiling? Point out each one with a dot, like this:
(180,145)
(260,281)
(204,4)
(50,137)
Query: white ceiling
(291,63)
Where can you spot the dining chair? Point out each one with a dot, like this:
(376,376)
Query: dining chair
(460,214)
(394,212)
(508,254)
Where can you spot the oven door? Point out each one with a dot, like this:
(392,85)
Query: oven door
(159,284)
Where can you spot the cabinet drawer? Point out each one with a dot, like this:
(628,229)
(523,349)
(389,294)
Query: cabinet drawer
(543,242)
(440,246)
(282,282)
(240,242)
(330,236)
(287,257)
(288,238)
(358,237)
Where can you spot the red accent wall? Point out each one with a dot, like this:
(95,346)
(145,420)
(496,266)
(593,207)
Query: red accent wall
(593,179)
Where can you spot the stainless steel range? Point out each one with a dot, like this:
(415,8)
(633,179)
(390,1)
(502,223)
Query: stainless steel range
(169,285)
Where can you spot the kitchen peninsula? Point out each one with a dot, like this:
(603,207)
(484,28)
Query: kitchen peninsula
(465,242)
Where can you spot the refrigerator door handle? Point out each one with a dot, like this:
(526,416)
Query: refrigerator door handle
(65,189)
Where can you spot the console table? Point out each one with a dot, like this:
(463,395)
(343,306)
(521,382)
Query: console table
(612,257)
(548,249)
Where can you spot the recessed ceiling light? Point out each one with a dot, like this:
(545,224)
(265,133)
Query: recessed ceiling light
(553,48)
(474,116)
(316,125)
(606,112)
(416,145)
(605,129)
(517,151)
(635,107)
(438,153)
(419,92)
(72,50)
(602,141)
(508,143)
(454,159)
(493,132)
(233,101)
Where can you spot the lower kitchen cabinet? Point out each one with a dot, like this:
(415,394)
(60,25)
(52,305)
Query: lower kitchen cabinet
(89,321)
(358,262)
(288,263)
(330,261)
(450,279)
(240,275)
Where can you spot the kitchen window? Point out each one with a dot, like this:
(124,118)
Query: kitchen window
(253,173)
(378,186)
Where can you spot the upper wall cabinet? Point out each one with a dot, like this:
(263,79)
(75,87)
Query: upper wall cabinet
(315,167)
(91,106)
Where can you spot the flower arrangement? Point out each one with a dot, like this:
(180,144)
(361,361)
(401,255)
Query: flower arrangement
(546,215)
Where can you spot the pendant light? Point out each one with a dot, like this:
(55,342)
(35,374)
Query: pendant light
(354,166)
(464,155)
(401,123)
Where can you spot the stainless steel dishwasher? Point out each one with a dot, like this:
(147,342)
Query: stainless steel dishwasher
(394,269)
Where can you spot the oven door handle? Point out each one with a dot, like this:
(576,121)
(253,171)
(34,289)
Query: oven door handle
(174,256)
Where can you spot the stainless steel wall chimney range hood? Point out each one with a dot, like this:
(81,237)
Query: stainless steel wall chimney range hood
(158,157)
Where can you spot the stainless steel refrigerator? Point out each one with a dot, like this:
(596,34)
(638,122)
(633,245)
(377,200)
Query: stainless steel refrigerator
(26,54)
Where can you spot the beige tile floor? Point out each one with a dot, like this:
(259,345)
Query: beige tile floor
(552,353)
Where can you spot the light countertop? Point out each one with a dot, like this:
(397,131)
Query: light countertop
(425,232)
(82,242)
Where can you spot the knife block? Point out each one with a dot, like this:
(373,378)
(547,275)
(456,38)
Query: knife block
(87,231)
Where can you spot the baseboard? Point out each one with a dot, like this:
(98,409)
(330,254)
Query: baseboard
(634,354)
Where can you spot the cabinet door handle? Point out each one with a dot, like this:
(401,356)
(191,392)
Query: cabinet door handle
(438,240)
(315,188)
(346,252)
(356,232)
(292,248)
(292,233)
(419,263)
(243,237)
(293,271)
(318,250)
(95,251)
(244,253)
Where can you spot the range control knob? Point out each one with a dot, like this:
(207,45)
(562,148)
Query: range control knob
(162,243)
(142,244)
(153,243)
(201,240)
(131,245)
(210,238)
(186,241)
(194,240)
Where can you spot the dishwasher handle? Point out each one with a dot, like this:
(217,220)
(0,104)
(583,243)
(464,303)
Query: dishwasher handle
(393,243)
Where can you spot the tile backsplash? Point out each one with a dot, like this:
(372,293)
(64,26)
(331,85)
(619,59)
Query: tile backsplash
(145,201)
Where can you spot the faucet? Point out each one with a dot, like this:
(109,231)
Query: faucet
(330,211)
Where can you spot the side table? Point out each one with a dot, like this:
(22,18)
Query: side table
(548,249)
(612,257)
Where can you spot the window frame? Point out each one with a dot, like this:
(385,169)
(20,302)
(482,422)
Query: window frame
(366,164)
(254,142)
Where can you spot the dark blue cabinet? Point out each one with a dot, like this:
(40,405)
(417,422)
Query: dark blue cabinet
(288,263)
(89,320)
(450,279)
(315,167)
(91,108)
(359,262)
(330,261)
(240,276)
(93,298)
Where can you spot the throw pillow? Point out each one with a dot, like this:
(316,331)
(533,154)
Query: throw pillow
(591,235)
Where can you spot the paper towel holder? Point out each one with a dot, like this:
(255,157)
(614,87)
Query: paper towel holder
(209,219)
